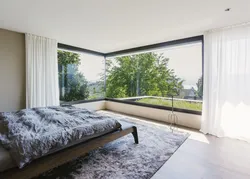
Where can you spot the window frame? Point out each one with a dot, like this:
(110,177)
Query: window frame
(140,49)
(73,49)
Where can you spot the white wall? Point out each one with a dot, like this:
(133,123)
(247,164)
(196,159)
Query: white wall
(98,105)
(184,119)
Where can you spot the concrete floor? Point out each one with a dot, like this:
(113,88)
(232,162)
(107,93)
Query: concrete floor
(205,157)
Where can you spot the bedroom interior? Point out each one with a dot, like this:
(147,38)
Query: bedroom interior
(124,89)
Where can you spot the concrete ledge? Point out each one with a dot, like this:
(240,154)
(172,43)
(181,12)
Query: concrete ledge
(184,119)
(95,105)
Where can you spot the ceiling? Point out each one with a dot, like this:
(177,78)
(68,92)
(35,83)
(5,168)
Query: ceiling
(113,25)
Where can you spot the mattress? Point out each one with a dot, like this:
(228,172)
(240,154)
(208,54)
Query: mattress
(33,133)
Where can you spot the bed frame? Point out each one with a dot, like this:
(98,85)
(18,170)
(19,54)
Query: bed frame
(53,160)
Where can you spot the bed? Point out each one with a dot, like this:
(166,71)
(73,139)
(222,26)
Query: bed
(39,139)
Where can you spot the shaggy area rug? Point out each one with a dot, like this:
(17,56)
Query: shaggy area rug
(122,159)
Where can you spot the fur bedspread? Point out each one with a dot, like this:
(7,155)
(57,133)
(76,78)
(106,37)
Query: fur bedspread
(32,133)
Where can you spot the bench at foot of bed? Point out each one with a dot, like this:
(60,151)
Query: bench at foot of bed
(53,160)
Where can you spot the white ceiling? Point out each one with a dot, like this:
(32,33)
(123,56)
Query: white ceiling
(111,25)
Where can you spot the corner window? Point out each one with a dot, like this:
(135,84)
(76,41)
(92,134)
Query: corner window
(155,77)
(81,76)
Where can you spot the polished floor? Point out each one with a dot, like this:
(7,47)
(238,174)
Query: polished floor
(205,157)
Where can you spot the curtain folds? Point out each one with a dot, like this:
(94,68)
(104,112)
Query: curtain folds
(41,72)
(226,106)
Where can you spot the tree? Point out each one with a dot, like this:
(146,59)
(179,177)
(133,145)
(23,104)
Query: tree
(199,84)
(72,83)
(142,74)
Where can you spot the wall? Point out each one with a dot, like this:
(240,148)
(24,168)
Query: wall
(98,105)
(184,119)
(12,70)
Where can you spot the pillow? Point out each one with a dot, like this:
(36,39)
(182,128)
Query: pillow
(3,131)
(1,126)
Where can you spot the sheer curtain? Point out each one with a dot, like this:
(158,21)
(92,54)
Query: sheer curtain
(226,107)
(41,72)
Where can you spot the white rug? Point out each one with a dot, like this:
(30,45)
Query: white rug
(122,159)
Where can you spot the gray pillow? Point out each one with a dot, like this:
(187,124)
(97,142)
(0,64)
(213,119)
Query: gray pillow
(2,130)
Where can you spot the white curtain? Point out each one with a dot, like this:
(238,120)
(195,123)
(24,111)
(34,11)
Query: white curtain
(226,106)
(41,72)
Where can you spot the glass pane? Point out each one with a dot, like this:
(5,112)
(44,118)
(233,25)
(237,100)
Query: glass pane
(81,76)
(155,77)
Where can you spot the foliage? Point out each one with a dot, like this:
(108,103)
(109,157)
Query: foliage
(199,91)
(141,74)
(72,83)
(65,58)
(197,106)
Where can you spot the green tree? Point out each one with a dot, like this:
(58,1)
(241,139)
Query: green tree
(72,83)
(199,84)
(141,74)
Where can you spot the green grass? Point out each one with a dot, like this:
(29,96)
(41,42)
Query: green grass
(177,104)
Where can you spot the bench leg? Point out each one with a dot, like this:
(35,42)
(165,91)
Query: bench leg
(135,135)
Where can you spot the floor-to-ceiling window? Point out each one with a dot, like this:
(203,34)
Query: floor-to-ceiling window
(81,76)
(154,77)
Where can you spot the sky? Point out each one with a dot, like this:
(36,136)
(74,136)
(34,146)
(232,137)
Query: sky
(186,60)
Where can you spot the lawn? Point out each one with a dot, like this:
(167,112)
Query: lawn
(177,104)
